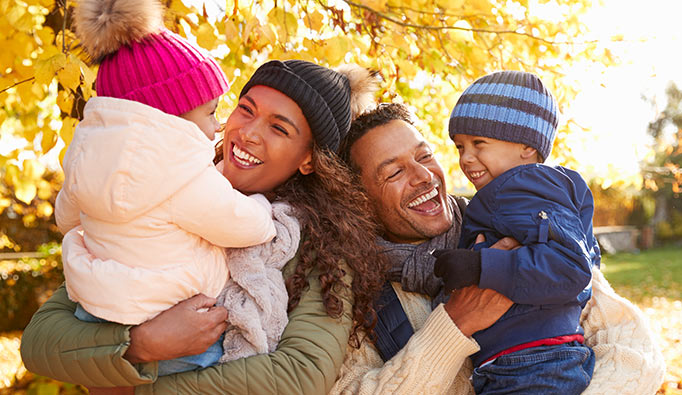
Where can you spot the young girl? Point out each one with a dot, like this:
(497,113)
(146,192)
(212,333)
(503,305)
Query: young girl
(140,183)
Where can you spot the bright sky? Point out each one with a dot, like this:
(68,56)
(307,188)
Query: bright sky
(615,111)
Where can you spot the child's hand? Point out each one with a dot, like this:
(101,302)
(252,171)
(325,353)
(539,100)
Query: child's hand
(458,268)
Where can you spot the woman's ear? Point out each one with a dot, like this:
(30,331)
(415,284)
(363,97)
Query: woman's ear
(307,166)
(529,152)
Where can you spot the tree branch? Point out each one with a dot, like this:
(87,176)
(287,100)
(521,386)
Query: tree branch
(18,83)
(436,28)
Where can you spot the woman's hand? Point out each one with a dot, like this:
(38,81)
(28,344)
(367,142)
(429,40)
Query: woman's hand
(187,328)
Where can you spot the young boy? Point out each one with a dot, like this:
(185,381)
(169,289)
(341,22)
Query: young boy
(504,125)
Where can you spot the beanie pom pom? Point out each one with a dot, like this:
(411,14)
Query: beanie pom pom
(363,84)
(103,26)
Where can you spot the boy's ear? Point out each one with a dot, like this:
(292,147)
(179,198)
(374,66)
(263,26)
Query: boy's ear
(529,152)
(307,166)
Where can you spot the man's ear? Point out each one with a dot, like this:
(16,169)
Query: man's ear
(529,152)
(307,166)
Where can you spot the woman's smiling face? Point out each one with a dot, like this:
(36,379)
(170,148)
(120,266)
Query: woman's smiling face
(267,140)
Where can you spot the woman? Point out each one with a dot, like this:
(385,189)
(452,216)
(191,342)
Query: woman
(280,141)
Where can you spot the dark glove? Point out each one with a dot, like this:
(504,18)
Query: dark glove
(458,268)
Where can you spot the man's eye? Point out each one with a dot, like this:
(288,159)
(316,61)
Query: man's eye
(394,174)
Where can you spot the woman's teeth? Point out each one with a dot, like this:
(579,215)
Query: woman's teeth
(421,199)
(244,158)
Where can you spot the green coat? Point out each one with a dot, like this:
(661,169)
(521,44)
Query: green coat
(310,353)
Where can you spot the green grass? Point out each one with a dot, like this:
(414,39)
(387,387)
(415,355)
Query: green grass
(647,274)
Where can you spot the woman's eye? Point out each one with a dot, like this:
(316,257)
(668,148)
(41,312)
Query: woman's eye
(425,157)
(281,130)
(246,108)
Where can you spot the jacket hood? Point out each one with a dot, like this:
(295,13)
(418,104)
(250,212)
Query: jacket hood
(127,158)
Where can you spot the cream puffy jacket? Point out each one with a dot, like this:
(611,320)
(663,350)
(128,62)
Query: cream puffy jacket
(154,211)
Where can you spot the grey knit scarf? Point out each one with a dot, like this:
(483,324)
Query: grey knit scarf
(412,264)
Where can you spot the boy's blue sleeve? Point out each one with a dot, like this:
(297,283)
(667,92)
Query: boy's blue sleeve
(538,274)
(550,213)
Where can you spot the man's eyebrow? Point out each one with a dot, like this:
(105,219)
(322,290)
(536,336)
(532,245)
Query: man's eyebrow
(278,116)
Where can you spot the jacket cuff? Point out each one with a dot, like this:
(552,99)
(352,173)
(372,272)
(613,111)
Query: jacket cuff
(497,271)
(443,343)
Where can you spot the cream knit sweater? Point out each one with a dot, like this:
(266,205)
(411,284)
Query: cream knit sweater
(435,360)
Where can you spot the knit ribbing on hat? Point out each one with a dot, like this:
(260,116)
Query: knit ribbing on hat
(511,106)
(164,71)
(322,94)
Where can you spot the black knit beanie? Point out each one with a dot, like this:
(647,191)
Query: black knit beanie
(322,94)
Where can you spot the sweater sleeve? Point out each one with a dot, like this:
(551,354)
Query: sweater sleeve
(428,364)
(58,345)
(309,355)
(629,361)
(209,207)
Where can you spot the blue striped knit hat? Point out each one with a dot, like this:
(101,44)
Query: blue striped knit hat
(511,106)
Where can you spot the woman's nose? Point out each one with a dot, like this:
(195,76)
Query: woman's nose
(250,133)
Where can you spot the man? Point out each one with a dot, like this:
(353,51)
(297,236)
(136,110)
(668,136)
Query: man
(407,188)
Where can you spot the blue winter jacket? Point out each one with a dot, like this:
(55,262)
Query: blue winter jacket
(549,211)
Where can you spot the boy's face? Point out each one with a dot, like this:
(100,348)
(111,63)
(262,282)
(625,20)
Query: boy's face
(204,117)
(483,158)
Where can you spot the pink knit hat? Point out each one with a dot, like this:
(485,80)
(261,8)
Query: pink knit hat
(141,60)
(163,71)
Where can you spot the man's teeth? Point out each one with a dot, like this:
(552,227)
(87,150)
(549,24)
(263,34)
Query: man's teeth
(476,174)
(421,199)
(244,157)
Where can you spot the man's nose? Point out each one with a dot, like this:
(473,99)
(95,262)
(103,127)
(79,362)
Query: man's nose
(421,174)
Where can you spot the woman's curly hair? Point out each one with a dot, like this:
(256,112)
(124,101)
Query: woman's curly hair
(337,225)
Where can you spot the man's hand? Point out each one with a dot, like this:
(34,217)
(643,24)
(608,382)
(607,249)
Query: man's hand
(187,328)
(473,309)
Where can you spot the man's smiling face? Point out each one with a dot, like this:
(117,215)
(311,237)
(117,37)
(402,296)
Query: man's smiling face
(403,181)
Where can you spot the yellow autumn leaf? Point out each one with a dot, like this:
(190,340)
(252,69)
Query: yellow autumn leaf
(68,127)
(206,37)
(335,49)
(65,101)
(314,21)
(44,209)
(46,69)
(49,139)
(44,190)
(231,31)
(25,191)
(70,75)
